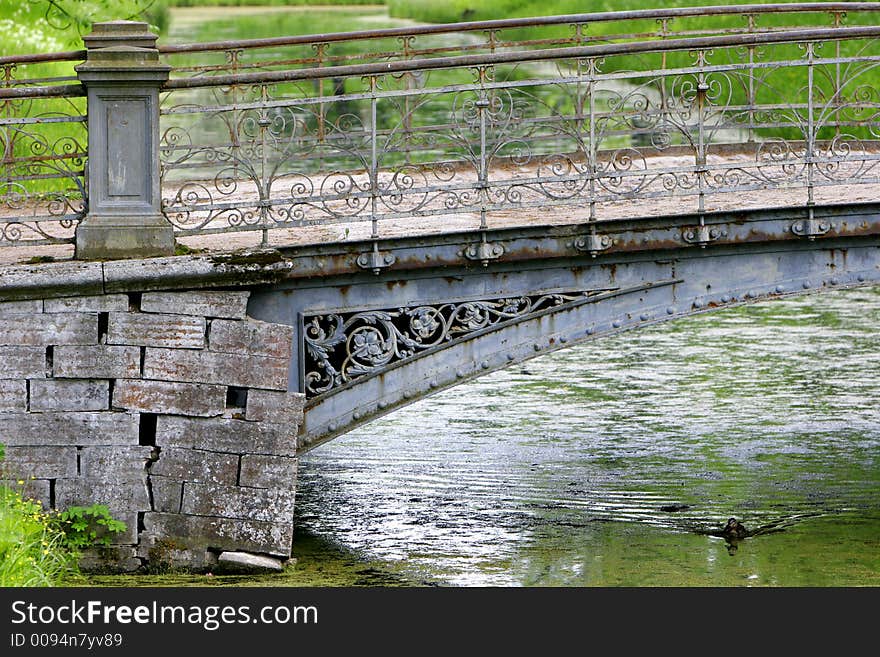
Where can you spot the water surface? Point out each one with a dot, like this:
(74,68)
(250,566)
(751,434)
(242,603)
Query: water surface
(565,471)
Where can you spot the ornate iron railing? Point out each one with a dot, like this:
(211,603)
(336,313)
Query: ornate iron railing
(565,119)
(678,124)
(44,146)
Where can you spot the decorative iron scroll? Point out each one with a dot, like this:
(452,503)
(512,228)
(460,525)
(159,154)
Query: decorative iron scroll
(340,347)
(43,151)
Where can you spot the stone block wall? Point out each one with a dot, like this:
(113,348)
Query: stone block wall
(169,407)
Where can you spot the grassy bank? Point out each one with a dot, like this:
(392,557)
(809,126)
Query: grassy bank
(32,547)
(42,547)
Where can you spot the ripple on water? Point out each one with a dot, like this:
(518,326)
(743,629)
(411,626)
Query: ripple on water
(556,472)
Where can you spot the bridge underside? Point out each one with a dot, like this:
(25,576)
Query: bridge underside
(442,310)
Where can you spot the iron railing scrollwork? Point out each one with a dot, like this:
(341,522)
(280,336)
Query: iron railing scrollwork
(44,147)
(343,346)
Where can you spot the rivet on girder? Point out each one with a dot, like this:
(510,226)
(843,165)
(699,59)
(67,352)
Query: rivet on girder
(810,228)
(702,235)
(484,252)
(375,260)
(593,243)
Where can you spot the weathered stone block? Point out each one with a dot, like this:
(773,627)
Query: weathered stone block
(22,362)
(167,493)
(30,489)
(13,396)
(175,331)
(262,471)
(113,559)
(238,502)
(49,329)
(100,362)
(48,278)
(114,463)
(198,533)
(70,395)
(8,308)
(251,338)
(90,428)
(221,369)
(193,465)
(25,461)
(165,397)
(243,563)
(124,500)
(225,435)
(175,553)
(207,304)
(272,406)
(120,498)
(245,267)
(102,303)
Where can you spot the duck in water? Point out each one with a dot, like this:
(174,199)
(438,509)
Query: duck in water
(734,529)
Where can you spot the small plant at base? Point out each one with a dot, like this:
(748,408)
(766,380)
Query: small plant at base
(89,526)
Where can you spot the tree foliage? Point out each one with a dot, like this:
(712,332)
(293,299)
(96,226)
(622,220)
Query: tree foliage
(46,25)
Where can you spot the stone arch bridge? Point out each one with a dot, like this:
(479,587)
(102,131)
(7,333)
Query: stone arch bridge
(565,190)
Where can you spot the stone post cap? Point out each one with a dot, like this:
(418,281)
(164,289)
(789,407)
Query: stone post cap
(120,33)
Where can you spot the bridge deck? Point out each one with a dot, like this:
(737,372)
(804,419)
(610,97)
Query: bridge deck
(642,205)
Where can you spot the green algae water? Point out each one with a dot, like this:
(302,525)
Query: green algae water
(612,462)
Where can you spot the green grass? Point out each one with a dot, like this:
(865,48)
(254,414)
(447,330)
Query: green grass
(32,546)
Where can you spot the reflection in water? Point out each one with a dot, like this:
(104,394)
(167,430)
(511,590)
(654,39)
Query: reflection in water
(618,462)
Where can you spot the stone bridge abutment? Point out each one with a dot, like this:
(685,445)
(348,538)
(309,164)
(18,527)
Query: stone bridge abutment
(172,408)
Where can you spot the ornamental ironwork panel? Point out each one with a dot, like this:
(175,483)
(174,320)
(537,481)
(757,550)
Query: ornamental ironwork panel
(340,347)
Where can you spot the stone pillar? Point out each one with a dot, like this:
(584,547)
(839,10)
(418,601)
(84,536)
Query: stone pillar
(122,76)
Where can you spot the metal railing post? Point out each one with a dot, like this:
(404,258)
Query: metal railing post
(122,76)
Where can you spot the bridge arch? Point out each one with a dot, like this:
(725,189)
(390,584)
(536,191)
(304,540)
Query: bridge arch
(369,344)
